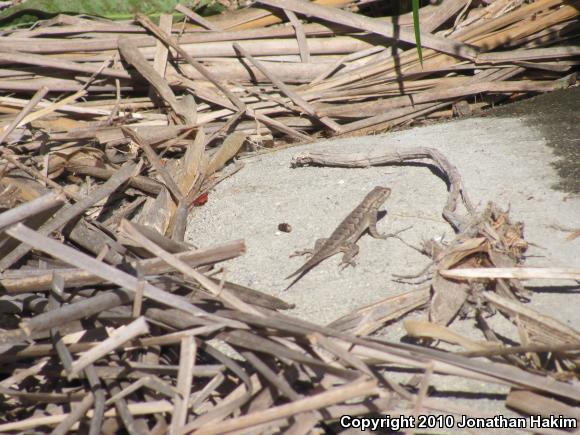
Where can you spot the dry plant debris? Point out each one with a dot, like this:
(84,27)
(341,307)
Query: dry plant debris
(109,319)
(479,271)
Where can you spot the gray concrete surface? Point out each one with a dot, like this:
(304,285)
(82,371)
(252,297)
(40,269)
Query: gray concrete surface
(502,159)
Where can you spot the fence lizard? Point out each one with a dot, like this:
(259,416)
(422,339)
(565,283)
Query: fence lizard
(344,237)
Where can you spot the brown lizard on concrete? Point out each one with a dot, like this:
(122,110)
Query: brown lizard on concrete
(344,237)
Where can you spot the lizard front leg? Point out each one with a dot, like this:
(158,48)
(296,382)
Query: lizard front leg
(317,246)
(350,250)
(373,228)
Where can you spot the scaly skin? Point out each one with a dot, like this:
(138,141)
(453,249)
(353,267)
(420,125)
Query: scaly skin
(344,237)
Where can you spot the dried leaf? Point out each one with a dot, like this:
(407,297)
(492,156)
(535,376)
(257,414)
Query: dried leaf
(227,150)
(448,298)
(157,213)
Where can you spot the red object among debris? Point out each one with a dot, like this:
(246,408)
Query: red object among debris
(200,200)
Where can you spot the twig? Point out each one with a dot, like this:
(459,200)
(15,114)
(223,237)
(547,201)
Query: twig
(296,98)
(196,18)
(63,216)
(397,157)
(448,46)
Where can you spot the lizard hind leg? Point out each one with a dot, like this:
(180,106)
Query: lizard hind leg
(350,251)
(317,245)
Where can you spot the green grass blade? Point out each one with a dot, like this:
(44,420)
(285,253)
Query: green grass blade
(415,4)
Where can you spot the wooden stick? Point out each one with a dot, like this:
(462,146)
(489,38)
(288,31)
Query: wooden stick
(117,338)
(80,278)
(352,160)
(513,272)
(75,415)
(61,64)
(196,18)
(183,267)
(135,409)
(108,273)
(65,215)
(296,98)
(31,208)
(161,51)
(39,95)
(448,46)
(167,39)
(155,162)
(184,383)
(317,401)
(300,36)
(132,55)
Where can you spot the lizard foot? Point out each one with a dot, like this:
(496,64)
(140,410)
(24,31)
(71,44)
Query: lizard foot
(303,252)
(344,264)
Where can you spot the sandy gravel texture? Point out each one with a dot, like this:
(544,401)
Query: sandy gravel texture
(502,160)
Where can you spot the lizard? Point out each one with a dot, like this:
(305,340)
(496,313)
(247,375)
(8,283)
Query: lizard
(344,237)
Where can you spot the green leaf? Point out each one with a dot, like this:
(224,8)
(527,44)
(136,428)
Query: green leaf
(32,10)
(415,4)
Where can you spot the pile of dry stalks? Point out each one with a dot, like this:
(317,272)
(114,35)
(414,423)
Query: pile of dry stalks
(107,317)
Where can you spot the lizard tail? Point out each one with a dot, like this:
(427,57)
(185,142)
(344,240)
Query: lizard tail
(306,267)
(297,272)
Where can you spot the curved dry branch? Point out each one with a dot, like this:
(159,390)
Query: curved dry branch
(361,160)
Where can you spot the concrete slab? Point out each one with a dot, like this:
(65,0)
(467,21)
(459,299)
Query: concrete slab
(501,159)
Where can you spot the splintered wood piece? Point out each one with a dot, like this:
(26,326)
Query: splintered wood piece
(168,40)
(541,329)
(183,267)
(315,402)
(61,64)
(157,212)
(63,216)
(145,408)
(346,358)
(74,311)
(448,46)
(150,381)
(193,165)
(166,243)
(140,182)
(196,18)
(448,298)
(75,415)
(254,297)
(513,273)
(74,277)
(31,208)
(132,55)
(184,382)
(118,338)
(108,273)
(39,95)
(421,329)
(294,96)
(161,51)
(300,36)
(227,150)
(366,320)
(532,403)
(155,162)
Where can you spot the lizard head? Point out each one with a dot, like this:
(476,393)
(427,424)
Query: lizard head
(378,195)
